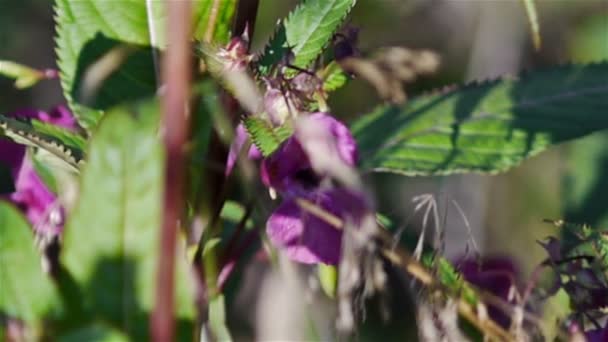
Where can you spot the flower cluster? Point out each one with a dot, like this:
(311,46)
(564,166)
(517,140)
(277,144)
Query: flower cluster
(304,236)
(31,195)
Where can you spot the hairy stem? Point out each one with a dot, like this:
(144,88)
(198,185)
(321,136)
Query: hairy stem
(176,73)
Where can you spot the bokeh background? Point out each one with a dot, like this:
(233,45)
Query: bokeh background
(476,39)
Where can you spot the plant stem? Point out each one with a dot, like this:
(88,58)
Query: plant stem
(176,73)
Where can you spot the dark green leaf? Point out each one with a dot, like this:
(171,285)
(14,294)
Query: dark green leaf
(60,143)
(25,291)
(112,237)
(485,127)
(306,31)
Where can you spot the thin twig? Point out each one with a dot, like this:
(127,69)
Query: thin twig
(175,125)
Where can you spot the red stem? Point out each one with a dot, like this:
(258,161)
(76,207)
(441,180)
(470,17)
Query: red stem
(176,73)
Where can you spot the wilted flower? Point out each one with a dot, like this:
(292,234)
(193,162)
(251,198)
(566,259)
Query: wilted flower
(305,235)
(496,275)
(31,195)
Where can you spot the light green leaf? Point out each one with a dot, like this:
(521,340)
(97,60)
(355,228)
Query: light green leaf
(306,31)
(266,138)
(60,143)
(533,22)
(112,237)
(25,291)
(24,76)
(108,50)
(217,319)
(485,127)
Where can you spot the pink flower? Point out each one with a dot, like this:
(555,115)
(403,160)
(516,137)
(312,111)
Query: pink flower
(35,199)
(305,235)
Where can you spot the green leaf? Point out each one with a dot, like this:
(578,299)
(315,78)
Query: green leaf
(221,11)
(334,77)
(108,50)
(24,76)
(306,31)
(94,333)
(60,143)
(112,237)
(485,127)
(266,138)
(217,319)
(25,291)
(533,22)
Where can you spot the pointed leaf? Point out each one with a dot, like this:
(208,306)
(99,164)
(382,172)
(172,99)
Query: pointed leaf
(111,239)
(485,127)
(60,143)
(306,31)
(25,291)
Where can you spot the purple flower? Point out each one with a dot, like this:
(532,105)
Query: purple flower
(307,237)
(497,275)
(307,226)
(290,169)
(597,335)
(39,204)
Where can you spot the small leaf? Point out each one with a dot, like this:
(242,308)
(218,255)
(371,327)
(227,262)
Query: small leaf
(306,31)
(25,291)
(328,277)
(24,76)
(266,138)
(533,22)
(60,143)
(112,236)
(485,127)
(95,333)
(217,319)
(334,77)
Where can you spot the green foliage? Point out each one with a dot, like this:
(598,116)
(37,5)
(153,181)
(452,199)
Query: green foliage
(223,19)
(217,319)
(108,50)
(485,127)
(24,76)
(61,143)
(264,136)
(333,77)
(25,291)
(112,236)
(306,31)
(96,333)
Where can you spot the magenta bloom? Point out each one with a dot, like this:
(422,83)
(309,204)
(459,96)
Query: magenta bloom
(308,238)
(39,204)
(304,236)
(289,169)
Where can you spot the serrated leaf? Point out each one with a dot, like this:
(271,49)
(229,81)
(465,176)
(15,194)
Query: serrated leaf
(61,143)
(266,138)
(306,31)
(485,127)
(25,291)
(112,236)
(127,39)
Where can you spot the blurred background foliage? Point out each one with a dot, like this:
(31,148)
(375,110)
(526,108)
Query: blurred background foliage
(476,40)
